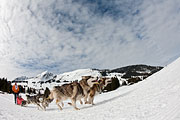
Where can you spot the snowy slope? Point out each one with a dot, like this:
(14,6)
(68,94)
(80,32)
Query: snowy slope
(156,98)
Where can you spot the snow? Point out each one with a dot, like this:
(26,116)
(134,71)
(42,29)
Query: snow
(76,75)
(156,98)
(45,75)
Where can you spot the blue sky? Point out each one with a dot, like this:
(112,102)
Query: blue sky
(64,35)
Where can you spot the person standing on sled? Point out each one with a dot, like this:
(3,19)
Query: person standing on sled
(15,90)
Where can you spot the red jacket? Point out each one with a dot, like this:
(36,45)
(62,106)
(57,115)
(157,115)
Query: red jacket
(19,100)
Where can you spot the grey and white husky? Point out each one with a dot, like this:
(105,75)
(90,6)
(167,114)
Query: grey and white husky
(73,91)
(97,89)
(40,100)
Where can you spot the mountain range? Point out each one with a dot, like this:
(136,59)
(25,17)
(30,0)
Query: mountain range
(125,75)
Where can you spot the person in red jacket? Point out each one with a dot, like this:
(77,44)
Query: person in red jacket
(15,90)
(19,100)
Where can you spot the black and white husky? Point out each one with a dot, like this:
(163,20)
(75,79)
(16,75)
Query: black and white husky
(39,100)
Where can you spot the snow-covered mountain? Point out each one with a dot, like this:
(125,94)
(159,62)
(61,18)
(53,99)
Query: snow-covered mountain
(134,70)
(156,98)
(22,78)
(45,76)
(77,74)
(124,75)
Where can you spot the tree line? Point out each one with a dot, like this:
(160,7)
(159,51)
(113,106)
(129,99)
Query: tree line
(5,86)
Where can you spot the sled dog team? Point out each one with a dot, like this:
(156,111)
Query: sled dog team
(85,89)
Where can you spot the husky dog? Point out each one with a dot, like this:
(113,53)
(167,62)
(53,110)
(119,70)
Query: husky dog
(33,100)
(71,91)
(39,100)
(74,91)
(97,89)
(86,83)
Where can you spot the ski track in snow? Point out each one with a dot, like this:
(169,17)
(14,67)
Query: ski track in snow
(156,98)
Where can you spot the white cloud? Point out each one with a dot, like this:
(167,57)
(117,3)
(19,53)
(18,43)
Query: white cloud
(63,35)
(162,22)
